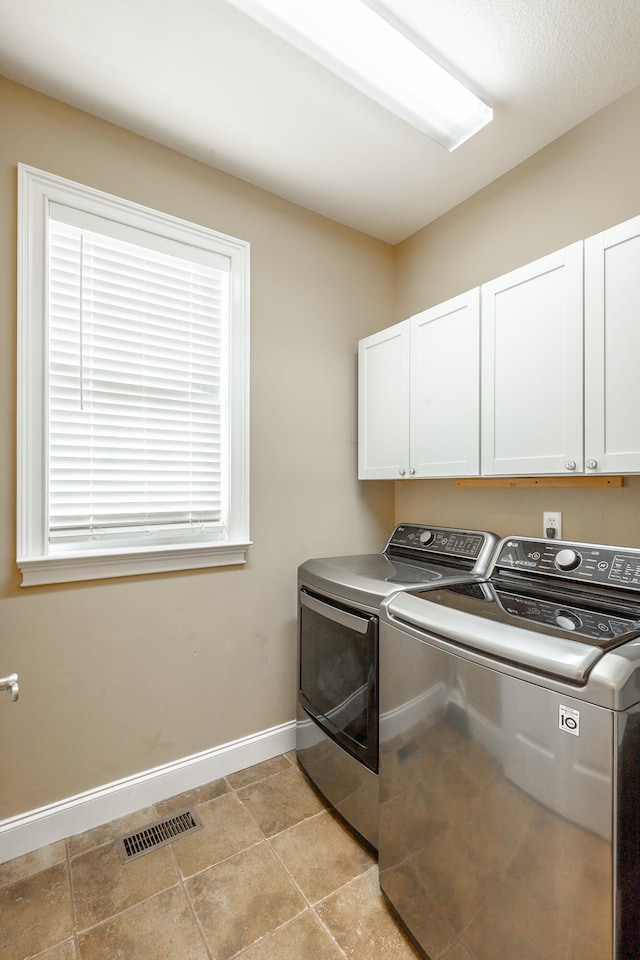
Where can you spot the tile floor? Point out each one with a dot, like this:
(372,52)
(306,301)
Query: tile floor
(272,876)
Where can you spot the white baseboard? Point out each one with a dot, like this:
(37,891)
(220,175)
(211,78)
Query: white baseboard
(38,828)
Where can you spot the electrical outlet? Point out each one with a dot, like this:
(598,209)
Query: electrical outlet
(552,525)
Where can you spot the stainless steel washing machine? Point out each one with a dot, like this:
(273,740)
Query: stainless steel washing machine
(510,757)
(339,600)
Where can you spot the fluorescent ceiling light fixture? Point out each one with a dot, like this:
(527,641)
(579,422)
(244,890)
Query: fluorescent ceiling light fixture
(361,47)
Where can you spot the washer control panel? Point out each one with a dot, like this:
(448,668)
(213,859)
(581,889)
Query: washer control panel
(596,625)
(592,563)
(443,540)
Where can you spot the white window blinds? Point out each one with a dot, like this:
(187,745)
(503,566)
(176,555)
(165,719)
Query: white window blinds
(137,385)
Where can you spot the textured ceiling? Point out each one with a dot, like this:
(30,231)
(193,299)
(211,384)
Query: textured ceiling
(204,79)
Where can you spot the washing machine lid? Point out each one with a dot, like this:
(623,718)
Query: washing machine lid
(571,616)
(473,619)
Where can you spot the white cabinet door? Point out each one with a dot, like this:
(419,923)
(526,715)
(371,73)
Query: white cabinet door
(383,404)
(532,369)
(612,349)
(445,389)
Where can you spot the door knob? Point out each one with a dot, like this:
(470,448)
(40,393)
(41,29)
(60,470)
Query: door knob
(591,464)
(10,684)
(570,464)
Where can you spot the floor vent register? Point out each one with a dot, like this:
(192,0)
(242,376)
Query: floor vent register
(157,834)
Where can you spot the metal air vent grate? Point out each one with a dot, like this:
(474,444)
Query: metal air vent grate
(157,834)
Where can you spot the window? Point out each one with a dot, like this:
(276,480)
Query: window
(133,388)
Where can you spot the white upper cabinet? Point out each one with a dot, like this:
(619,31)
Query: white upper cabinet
(531,374)
(532,368)
(612,349)
(419,401)
(383,404)
(445,389)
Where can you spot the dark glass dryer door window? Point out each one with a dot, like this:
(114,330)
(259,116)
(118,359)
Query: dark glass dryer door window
(338,673)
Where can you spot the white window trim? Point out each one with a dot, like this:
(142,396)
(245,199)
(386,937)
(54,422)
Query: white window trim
(36,189)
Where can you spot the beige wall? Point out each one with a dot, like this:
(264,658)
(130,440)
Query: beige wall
(121,676)
(579,185)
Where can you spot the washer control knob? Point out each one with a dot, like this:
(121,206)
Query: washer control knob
(568,620)
(570,464)
(591,464)
(567,559)
(427,536)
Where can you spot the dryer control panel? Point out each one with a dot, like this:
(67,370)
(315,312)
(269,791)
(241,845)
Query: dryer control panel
(442,540)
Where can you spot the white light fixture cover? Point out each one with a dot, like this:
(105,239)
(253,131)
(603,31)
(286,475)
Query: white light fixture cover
(361,47)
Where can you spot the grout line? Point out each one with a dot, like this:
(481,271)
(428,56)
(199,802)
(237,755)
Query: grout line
(268,935)
(72,898)
(198,873)
(128,909)
(33,873)
(287,923)
(309,905)
(261,779)
(182,880)
(185,890)
(326,929)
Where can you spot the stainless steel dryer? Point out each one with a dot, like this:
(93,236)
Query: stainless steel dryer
(510,757)
(339,600)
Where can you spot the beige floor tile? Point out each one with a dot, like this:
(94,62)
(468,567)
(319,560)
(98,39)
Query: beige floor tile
(64,951)
(36,914)
(302,939)
(360,921)
(280,801)
(241,892)
(321,855)
(103,885)
(90,839)
(228,829)
(260,770)
(162,928)
(191,798)
(30,863)
(243,899)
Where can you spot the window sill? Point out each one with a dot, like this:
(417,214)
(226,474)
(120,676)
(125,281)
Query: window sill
(128,563)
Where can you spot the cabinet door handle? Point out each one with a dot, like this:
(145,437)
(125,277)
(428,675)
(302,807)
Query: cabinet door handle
(591,464)
(10,684)
(570,464)
(411,472)
(401,472)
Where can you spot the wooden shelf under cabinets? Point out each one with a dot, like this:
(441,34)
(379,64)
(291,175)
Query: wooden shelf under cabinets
(530,482)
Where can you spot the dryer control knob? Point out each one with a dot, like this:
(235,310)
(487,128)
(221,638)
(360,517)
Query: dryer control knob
(427,536)
(567,560)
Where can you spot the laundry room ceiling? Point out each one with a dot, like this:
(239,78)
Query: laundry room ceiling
(203,78)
